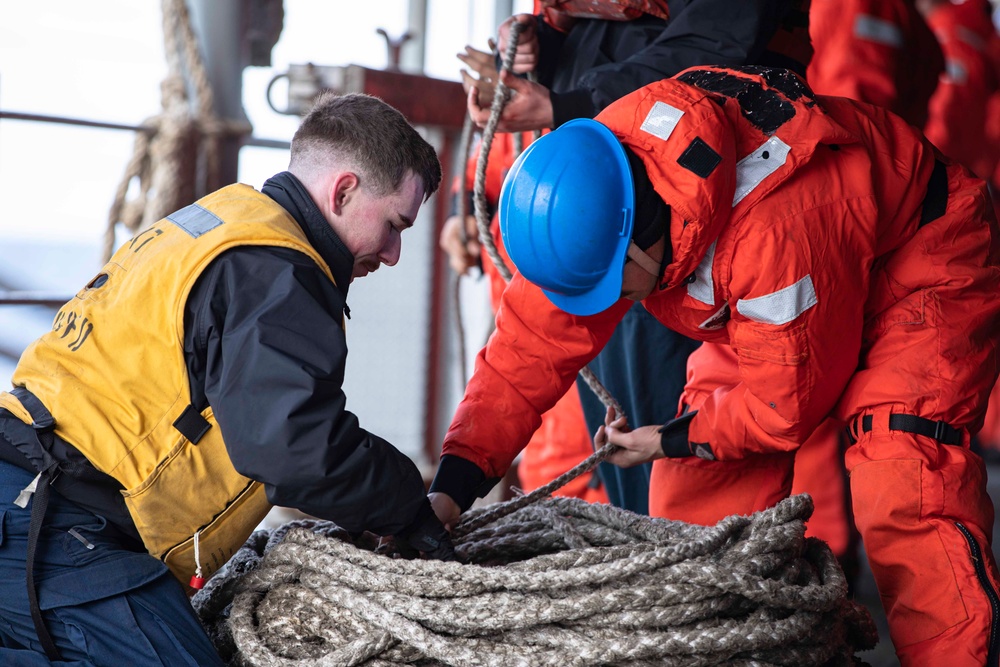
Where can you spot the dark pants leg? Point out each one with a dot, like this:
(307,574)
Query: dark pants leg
(102,604)
(644,366)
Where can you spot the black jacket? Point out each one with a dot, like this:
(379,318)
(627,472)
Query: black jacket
(264,346)
(599,61)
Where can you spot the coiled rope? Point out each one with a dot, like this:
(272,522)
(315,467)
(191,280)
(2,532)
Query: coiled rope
(545,581)
(176,159)
(559,582)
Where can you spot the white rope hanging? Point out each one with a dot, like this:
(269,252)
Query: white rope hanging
(176,158)
(501,95)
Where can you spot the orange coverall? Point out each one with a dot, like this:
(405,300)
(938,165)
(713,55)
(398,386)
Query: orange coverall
(876,51)
(964,118)
(958,110)
(881,52)
(854,275)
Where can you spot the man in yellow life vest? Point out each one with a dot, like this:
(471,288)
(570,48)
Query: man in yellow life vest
(193,383)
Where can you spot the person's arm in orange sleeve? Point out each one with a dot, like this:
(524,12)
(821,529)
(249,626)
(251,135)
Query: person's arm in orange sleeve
(797,311)
(957,123)
(528,364)
(711,366)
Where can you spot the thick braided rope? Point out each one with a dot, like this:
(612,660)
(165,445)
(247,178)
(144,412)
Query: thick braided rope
(501,94)
(482,516)
(559,582)
(177,144)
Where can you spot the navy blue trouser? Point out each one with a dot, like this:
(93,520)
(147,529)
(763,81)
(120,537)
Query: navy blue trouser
(102,604)
(644,366)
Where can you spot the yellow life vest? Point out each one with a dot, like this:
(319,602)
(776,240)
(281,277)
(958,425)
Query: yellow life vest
(112,373)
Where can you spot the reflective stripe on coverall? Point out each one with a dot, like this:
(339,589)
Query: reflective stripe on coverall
(797,240)
(876,51)
(957,121)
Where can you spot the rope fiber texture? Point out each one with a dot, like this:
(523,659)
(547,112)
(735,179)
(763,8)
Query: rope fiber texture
(557,582)
(501,95)
(175,161)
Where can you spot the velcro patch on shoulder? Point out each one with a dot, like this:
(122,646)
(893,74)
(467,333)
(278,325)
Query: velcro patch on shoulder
(661,120)
(195,220)
(699,158)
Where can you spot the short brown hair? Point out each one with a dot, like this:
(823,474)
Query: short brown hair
(370,135)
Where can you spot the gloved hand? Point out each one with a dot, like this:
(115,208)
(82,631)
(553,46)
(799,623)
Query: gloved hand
(427,535)
(674,439)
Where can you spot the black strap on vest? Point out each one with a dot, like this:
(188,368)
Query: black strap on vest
(43,422)
(936,199)
(39,504)
(938,430)
(192,425)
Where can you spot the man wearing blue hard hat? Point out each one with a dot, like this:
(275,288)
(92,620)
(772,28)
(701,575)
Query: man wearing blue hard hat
(850,268)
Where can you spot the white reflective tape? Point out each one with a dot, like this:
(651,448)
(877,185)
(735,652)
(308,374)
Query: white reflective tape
(782,306)
(878,30)
(26,493)
(661,120)
(703,289)
(195,220)
(955,72)
(754,168)
(970,38)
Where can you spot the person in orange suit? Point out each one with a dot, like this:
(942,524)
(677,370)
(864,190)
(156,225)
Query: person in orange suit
(964,120)
(957,122)
(877,51)
(588,53)
(881,52)
(852,270)
(562,440)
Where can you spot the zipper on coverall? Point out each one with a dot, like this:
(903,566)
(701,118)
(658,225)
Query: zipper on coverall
(991,594)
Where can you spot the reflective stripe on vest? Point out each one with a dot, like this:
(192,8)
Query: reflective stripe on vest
(112,372)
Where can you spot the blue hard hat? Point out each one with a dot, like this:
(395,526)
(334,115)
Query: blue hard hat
(566,215)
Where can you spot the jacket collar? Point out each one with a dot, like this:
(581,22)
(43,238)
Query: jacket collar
(289,193)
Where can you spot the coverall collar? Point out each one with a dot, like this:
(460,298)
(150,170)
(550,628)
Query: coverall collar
(288,192)
(693,130)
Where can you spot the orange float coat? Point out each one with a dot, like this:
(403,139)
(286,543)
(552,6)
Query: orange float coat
(818,467)
(876,51)
(881,52)
(964,120)
(958,110)
(803,250)
(562,440)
